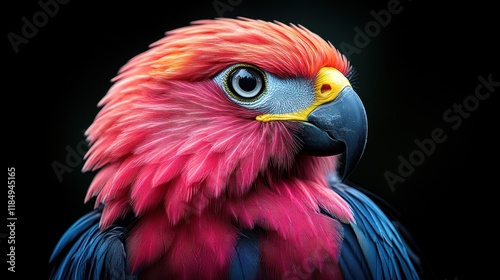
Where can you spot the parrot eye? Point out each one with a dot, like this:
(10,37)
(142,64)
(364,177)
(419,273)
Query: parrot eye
(245,82)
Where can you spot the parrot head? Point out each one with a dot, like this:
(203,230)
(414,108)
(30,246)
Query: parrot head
(217,109)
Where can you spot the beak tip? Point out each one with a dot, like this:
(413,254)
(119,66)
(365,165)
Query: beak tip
(353,156)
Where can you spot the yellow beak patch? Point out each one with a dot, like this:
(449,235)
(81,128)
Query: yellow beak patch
(327,86)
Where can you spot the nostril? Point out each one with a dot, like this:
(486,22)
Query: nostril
(325,87)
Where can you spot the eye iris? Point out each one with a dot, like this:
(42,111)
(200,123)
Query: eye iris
(246,82)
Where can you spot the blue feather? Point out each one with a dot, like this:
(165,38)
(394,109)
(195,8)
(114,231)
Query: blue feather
(86,252)
(352,261)
(375,238)
(246,264)
(74,232)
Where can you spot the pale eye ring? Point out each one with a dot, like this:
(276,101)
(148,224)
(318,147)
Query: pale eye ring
(246,83)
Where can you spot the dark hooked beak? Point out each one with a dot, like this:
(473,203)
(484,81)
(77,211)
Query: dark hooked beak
(337,127)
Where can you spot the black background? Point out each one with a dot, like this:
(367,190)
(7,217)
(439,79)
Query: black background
(426,60)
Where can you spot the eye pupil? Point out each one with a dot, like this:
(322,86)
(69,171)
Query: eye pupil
(245,83)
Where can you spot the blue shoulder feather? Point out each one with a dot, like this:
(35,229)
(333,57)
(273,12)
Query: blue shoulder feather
(86,252)
(373,248)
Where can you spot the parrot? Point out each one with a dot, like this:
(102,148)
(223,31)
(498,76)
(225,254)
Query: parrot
(223,151)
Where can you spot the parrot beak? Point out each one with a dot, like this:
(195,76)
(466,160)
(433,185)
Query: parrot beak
(339,126)
(335,123)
